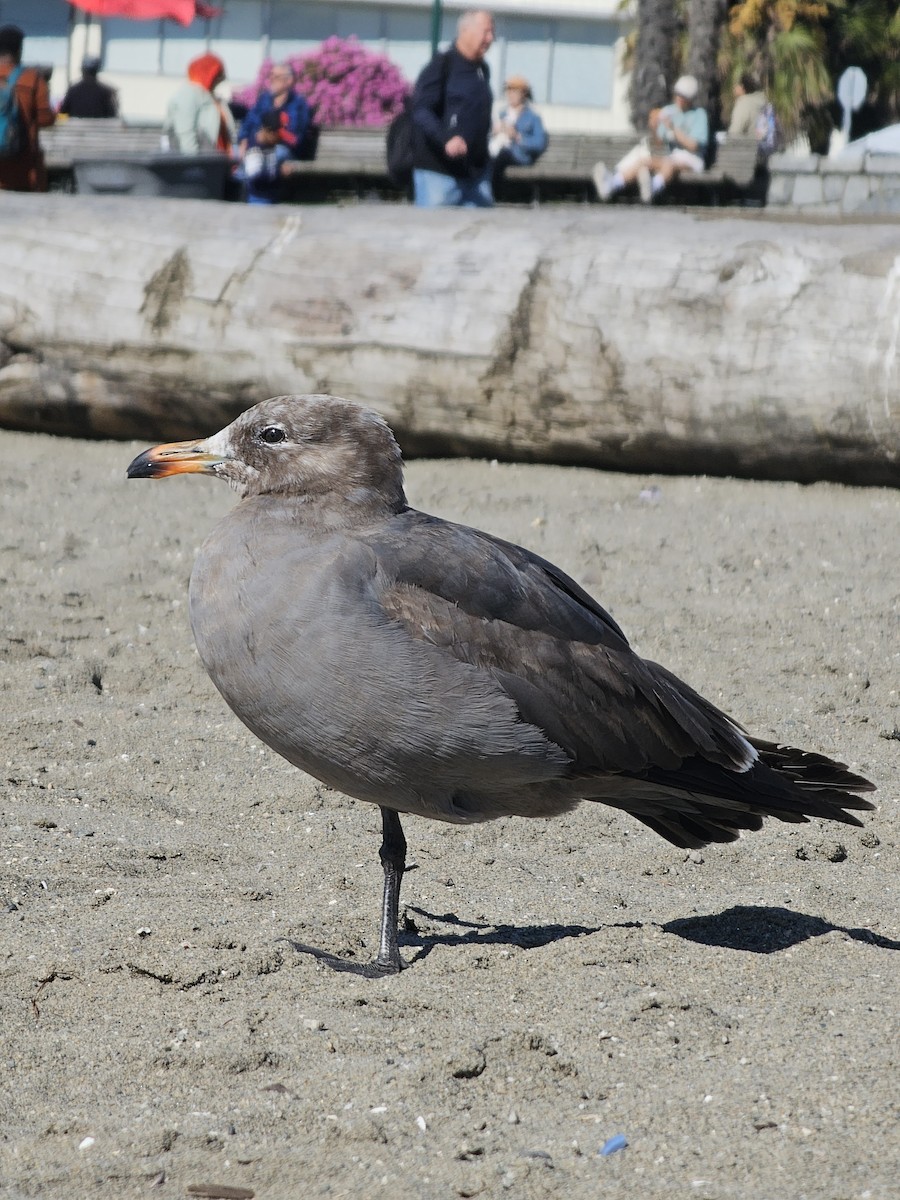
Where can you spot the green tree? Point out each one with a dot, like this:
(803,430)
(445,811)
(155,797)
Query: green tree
(799,48)
(866,34)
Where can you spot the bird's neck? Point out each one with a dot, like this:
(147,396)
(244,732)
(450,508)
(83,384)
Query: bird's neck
(326,511)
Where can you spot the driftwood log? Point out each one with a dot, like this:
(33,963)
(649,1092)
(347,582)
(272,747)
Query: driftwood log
(614,337)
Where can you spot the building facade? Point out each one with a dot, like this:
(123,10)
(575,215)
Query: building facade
(570,50)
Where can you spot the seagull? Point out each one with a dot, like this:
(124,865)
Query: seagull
(430,668)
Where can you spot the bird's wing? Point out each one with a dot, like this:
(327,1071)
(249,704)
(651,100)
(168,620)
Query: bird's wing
(492,579)
(550,646)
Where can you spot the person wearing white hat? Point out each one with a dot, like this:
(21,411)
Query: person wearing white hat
(681,133)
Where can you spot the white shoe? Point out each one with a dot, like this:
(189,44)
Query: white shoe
(603,180)
(645,184)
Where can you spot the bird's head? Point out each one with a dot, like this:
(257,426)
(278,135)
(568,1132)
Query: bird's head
(316,447)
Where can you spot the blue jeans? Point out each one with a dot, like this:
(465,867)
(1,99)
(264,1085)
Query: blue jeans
(433,190)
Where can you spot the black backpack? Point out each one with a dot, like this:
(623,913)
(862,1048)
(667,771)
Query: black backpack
(399,144)
(400,148)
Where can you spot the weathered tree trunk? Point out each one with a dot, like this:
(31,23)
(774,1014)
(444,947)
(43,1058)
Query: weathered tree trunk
(654,59)
(644,340)
(705,20)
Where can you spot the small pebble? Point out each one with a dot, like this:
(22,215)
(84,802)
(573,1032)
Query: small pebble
(313,1024)
(619,1142)
(86,1143)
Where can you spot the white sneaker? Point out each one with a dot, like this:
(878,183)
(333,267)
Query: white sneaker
(603,180)
(645,184)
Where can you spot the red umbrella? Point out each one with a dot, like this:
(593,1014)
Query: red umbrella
(182,11)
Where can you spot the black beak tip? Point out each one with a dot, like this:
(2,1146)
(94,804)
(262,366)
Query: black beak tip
(142,467)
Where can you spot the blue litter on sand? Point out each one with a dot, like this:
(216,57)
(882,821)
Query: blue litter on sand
(619,1142)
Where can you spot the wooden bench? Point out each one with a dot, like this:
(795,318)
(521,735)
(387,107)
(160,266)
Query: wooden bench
(357,153)
(569,160)
(110,157)
(357,157)
(88,137)
(354,159)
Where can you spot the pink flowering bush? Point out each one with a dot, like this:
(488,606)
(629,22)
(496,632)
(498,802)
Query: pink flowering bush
(343,82)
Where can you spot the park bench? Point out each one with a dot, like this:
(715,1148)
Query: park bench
(356,153)
(116,157)
(87,137)
(354,160)
(357,158)
(111,157)
(569,160)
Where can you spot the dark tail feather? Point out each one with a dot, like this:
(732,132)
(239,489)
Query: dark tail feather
(701,802)
(814,775)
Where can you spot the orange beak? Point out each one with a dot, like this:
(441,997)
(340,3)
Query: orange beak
(174,458)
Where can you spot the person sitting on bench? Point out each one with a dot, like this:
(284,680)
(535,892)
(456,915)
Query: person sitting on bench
(681,132)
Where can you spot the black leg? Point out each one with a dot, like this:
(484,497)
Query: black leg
(393,860)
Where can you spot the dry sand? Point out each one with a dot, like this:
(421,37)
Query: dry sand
(734,1013)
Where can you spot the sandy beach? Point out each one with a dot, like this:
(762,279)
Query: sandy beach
(734,1013)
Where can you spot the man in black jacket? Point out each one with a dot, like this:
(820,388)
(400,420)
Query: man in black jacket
(90,97)
(451,111)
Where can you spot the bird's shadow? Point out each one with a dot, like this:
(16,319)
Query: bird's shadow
(752,928)
(472,933)
(762,930)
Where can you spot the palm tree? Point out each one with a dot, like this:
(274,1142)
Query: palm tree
(674,36)
(784,43)
(654,67)
(705,21)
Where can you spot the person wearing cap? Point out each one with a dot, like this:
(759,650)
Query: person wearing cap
(196,122)
(681,130)
(451,120)
(519,136)
(282,98)
(24,170)
(90,97)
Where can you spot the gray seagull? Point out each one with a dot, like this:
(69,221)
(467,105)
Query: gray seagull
(430,668)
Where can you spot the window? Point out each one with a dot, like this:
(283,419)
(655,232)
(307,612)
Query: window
(132,46)
(236,37)
(46,26)
(569,61)
(583,63)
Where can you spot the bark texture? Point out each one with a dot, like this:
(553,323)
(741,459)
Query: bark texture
(654,59)
(638,340)
(705,21)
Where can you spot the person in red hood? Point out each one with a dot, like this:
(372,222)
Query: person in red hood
(196,122)
(23,170)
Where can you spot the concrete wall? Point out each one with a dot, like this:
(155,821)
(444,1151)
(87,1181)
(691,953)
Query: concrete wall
(851,183)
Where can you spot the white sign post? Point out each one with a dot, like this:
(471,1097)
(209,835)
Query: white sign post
(851,92)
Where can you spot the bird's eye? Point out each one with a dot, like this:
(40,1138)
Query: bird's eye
(271,434)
